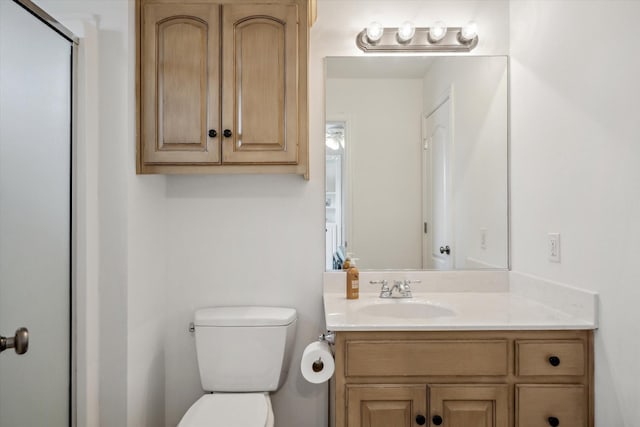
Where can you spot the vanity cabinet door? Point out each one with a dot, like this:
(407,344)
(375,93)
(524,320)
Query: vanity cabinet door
(469,405)
(386,405)
(179,84)
(260,87)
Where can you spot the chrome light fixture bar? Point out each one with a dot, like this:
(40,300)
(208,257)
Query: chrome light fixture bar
(455,39)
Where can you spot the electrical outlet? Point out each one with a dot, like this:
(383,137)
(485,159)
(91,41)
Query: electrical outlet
(483,238)
(554,247)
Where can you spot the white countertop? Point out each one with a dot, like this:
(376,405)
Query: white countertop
(495,309)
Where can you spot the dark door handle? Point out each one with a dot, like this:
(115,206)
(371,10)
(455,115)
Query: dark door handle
(553,422)
(227,133)
(437,420)
(445,249)
(212,133)
(554,360)
(421,420)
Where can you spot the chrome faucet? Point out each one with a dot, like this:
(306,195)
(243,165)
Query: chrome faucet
(403,287)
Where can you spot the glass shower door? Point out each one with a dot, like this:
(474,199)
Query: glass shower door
(35,177)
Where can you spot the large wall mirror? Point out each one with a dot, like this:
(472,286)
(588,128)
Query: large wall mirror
(416,162)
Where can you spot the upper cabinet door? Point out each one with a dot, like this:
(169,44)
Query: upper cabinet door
(261,84)
(180,84)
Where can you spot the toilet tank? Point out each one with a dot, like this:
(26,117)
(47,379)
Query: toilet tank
(244,349)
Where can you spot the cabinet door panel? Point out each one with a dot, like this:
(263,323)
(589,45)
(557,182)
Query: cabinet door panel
(180,83)
(470,405)
(260,88)
(385,405)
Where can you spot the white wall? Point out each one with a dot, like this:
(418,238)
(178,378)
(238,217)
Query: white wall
(159,247)
(383,163)
(575,152)
(251,239)
(479,154)
(121,221)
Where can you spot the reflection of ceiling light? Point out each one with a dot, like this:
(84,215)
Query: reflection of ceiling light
(334,138)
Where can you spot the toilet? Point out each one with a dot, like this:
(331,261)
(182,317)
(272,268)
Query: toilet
(243,355)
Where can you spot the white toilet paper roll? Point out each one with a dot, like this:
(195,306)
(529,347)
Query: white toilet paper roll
(317,365)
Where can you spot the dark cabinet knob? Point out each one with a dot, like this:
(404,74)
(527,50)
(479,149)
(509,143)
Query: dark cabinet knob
(212,133)
(437,420)
(445,249)
(421,420)
(553,422)
(227,133)
(554,360)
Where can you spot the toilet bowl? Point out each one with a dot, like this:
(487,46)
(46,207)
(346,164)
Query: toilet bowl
(230,409)
(243,354)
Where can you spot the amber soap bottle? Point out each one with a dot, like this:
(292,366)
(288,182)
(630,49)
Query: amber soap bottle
(353,281)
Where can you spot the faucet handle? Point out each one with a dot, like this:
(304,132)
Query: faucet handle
(385,292)
(384,283)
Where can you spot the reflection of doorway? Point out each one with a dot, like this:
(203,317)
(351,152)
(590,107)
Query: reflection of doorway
(437,241)
(334,194)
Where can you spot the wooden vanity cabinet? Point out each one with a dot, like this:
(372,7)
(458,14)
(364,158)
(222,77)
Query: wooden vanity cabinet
(222,86)
(463,379)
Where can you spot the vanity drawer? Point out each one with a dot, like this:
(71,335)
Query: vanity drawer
(543,357)
(390,358)
(551,405)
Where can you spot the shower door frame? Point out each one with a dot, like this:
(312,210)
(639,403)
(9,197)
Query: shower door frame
(56,26)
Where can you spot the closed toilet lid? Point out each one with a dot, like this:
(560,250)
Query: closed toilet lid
(229,410)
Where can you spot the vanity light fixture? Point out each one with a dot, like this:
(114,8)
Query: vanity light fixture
(374,32)
(408,38)
(437,31)
(406,31)
(468,32)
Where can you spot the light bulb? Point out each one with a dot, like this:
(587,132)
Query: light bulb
(374,32)
(469,32)
(437,31)
(406,31)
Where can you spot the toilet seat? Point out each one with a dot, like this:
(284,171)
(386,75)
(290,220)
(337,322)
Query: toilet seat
(230,410)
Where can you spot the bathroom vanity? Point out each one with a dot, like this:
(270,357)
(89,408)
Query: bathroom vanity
(459,359)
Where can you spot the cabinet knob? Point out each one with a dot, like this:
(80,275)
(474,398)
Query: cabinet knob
(445,249)
(554,360)
(437,420)
(421,420)
(553,422)
(212,133)
(227,133)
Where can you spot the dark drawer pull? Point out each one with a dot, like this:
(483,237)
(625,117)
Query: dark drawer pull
(212,133)
(437,420)
(421,420)
(554,360)
(553,422)
(227,133)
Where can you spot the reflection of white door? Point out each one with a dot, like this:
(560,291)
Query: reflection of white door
(35,179)
(437,152)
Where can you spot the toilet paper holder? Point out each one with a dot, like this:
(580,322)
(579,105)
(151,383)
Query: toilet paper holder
(329,337)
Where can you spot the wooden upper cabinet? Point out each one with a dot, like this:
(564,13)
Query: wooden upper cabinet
(180,83)
(260,89)
(223,86)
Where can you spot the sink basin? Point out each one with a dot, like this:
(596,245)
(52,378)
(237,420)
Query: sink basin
(405,310)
